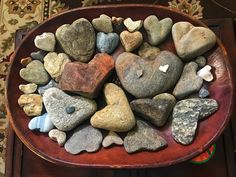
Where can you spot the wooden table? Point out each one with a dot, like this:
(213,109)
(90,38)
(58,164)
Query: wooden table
(21,162)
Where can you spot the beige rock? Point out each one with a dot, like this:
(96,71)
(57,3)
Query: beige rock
(111,138)
(32,104)
(28,88)
(147,51)
(54,64)
(131,41)
(133,25)
(45,41)
(25,61)
(58,136)
(117,115)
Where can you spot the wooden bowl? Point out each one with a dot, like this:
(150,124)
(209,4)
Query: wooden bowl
(209,129)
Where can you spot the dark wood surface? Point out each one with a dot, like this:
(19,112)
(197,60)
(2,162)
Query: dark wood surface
(23,163)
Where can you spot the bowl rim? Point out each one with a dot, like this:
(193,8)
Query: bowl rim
(71,164)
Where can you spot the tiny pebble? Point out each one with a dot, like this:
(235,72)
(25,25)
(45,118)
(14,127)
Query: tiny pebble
(25,61)
(203,93)
(39,55)
(70,110)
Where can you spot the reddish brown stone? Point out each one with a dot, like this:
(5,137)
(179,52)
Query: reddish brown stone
(25,61)
(87,79)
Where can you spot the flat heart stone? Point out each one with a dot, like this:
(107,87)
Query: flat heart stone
(118,24)
(35,73)
(50,84)
(56,102)
(103,24)
(45,41)
(106,43)
(191,41)
(54,64)
(189,81)
(73,38)
(87,79)
(157,30)
(28,88)
(205,73)
(41,123)
(85,138)
(142,78)
(112,138)
(32,104)
(131,41)
(58,136)
(133,25)
(117,116)
(39,55)
(156,110)
(147,51)
(143,137)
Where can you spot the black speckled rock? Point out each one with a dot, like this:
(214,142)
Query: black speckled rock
(189,81)
(85,138)
(156,110)
(143,137)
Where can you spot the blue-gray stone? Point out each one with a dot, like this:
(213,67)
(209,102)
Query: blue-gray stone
(107,43)
(39,55)
(51,84)
(70,109)
(203,93)
(41,123)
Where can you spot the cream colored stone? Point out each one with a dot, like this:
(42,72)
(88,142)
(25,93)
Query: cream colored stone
(58,136)
(112,138)
(28,88)
(133,25)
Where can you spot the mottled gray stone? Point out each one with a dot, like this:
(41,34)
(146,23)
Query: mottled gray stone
(55,102)
(186,115)
(147,51)
(157,30)
(143,137)
(85,138)
(107,43)
(39,55)
(73,38)
(103,24)
(51,83)
(112,138)
(201,61)
(203,93)
(152,81)
(189,81)
(35,73)
(156,110)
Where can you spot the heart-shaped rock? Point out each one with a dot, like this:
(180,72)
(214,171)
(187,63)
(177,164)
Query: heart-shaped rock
(157,30)
(87,79)
(191,41)
(28,88)
(156,110)
(85,138)
(131,41)
(148,51)
(39,55)
(133,25)
(118,24)
(103,24)
(50,84)
(41,123)
(143,137)
(73,38)
(106,43)
(58,136)
(35,73)
(205,73)
(54,64)
(117,116)
(142,78)
(57,102)
(111,138)
(45,41)
(189,81)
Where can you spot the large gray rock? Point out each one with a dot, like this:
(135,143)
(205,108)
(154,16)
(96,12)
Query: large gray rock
(189,81)
(143,78)
(85,138)
(57,104)
(143,137)
(73,38)
(156,110)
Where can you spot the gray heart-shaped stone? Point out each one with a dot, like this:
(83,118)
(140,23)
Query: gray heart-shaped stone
(143,78)
(103,24)
(57,103)
(73,38)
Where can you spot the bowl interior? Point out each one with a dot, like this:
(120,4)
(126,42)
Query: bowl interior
(209,129)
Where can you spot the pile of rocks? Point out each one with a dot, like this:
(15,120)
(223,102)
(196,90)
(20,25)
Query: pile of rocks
(67,84)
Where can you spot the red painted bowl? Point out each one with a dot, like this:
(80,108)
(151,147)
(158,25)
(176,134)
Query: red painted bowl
(209,129)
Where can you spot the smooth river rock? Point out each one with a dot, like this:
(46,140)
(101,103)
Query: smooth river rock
(117,116)
(45,41)
(85,138)
(131,41)
(143,137)
(73,38)
(112,138)
(133,25)
(142,78)
(191,41)
(41,123)
(56,101)
(156,110)
(189,81)
(58,136)
(103,24)
(39,55)
(107,43)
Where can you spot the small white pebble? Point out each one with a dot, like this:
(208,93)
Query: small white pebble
(164,68)
(205,73)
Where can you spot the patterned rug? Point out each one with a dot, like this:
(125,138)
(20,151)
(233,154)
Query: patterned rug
(21,14)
